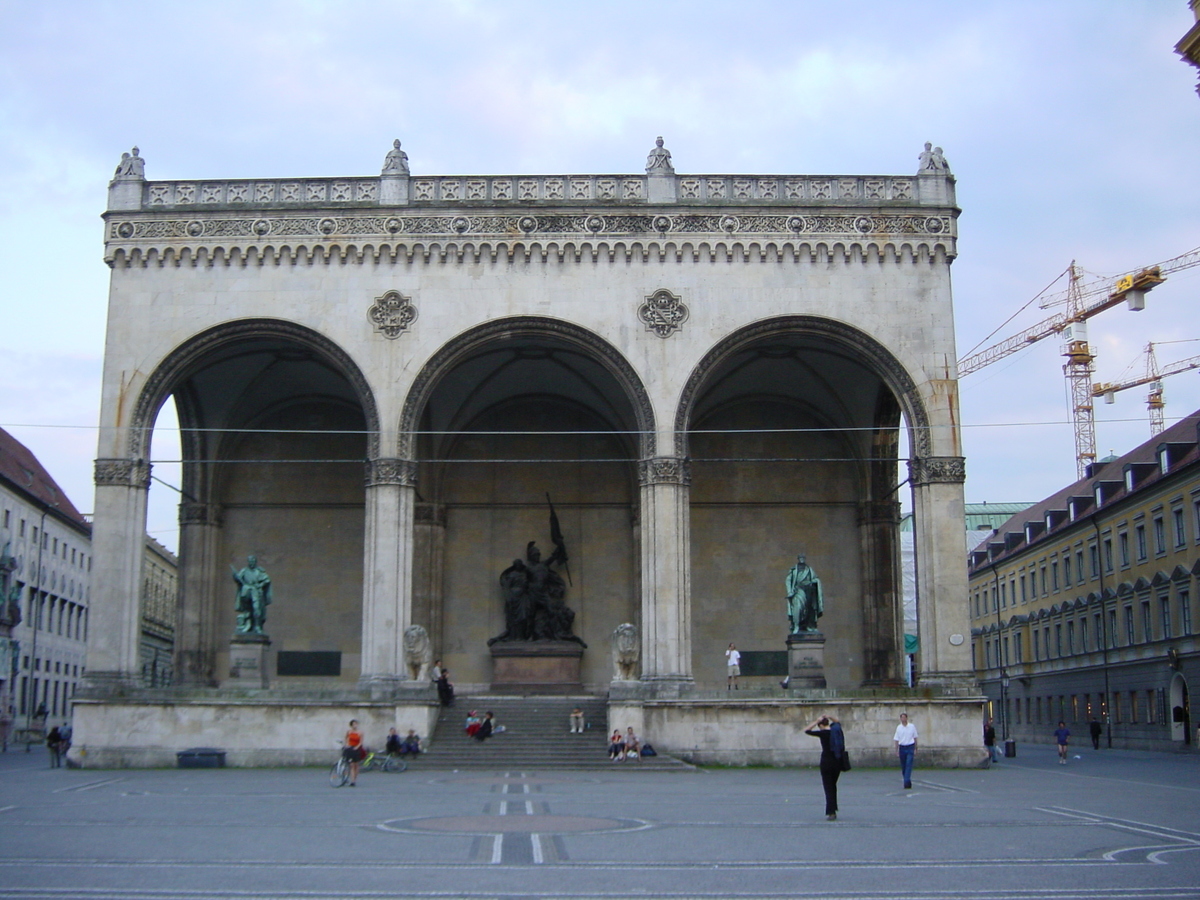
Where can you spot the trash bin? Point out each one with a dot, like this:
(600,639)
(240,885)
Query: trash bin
(1010,748)
(201,758)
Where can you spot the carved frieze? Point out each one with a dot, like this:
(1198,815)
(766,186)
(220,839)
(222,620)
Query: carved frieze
(937,470)
(665,470)
(663,313)
(389,471)
(122,473)
(392,314)
(191,513)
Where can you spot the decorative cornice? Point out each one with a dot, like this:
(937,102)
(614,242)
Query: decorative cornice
(380,472)
(122,473)
(665,470)
(191,513)
(937,470)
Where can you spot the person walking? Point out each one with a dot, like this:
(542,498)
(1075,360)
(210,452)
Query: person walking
(54,742)
(1061,734)
(905,740)
(733,667)
(1096,730)
(989,740)
(828,731)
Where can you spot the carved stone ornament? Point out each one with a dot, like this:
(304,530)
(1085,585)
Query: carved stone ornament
(122,473)
(663,313)
(626,649)
(392,314)
(665,470)
(391,471)
(937,470)
(191,513)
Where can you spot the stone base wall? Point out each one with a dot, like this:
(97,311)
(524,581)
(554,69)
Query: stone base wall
(137,733)
(771,731)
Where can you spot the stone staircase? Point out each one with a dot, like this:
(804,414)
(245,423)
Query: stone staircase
(536,736)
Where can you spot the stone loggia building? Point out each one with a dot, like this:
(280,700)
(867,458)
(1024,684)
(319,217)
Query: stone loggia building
(379,379)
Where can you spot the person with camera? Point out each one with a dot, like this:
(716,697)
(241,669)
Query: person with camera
(828,731)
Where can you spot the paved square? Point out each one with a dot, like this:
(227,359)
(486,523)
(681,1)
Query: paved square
(1112,824)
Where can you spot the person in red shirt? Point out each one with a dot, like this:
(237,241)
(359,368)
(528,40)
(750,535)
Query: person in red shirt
(352,750)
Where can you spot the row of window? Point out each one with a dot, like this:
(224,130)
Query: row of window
(56,615)
(56,548)
(1148,707)
(1128,623)
(1067,567)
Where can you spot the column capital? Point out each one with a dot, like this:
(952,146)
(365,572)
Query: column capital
(193,513)
(937,470)
(665,470)
(122,473)
(391,471)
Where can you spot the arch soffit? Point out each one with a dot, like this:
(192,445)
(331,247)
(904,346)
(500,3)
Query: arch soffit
(864,349)
(176,365)
(460,347)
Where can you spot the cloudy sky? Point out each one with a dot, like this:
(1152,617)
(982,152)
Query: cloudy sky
(1072,127)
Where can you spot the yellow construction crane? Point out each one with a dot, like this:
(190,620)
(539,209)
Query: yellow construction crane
(1083,300)
(1153,377)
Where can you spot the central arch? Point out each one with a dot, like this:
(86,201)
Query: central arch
(504,417)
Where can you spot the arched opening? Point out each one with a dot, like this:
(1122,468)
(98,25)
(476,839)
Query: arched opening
(1180,711)
(502,417)
(275,424)
(793,429)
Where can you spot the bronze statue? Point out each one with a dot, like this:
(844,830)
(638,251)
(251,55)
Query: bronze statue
(804,599)
(253,597)
(534,609)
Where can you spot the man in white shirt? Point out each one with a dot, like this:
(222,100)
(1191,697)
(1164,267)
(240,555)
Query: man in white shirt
(905,740)
(732,667)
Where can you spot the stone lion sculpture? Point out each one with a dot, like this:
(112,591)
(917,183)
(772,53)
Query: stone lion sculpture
(418,653)
(626,648)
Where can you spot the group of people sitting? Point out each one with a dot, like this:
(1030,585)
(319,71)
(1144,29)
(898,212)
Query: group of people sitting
(624,746)
(482,727)
(410,744)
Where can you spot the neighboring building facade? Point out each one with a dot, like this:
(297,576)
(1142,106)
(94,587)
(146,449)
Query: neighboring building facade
(1086,602)
(160,605)
(708,373)
(47,547)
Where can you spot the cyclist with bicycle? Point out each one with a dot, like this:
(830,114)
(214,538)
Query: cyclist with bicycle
(353,750)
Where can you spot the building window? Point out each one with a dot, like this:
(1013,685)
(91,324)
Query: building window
(1129,633)
(1058,644)
(1074,708)
(1046,641)
(1094,555)
(987,653)
(1112,629)
(1079,563)
(1003,595)
(1066,570)
(1123,547)
(1024,595)
(1083,634)
(1165,607)
(1180,527)
(1160,536)
(1044,582)
(1037,647)
(1071,637)
(1108,556)
(1196,519)
(1147,622)
(1185,611)
(1020,651)
(1139,534)
(1054,575)
(1150,698)
(1005,658)
(1098,621)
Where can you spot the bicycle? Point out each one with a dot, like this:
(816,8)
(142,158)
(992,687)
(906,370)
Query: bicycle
(339,774)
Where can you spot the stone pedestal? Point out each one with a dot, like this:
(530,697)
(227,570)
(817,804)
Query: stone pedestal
(806,660)
(248,661)
(546,667)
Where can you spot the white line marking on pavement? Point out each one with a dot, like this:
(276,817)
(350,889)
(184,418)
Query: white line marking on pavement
(91,785)
(536,840)
(497,849)
(504,807)
(529,807)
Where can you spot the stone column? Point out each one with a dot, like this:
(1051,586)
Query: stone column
(666,571)
(882,597)
(118,543)
(198,612)
(941,549)
(387,571)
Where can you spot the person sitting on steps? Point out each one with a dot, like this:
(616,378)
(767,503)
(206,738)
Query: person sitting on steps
(576,721)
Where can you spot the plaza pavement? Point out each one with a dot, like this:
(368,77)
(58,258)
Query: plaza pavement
(1113,824)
